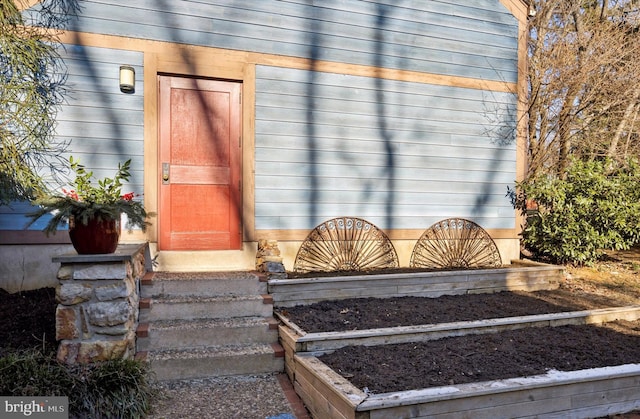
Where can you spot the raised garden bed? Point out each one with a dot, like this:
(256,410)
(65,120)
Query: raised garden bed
(296,340)
(520,275)
(358,381)
(576,394)
(585,393)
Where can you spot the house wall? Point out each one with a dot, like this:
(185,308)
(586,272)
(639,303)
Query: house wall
(104,126)
(403,113)
(475,38)
(403,155)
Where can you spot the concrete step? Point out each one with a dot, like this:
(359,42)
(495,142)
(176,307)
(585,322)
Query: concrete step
(197,307)
(182,334)
(215,361)
(207,324)
(203,284)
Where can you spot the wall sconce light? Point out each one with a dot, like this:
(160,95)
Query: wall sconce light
(127,79)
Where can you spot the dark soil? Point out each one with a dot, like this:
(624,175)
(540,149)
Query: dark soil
(457,360)
(464,359)
(375,313)
(28,320)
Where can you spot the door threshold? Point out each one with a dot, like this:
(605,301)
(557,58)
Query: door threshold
(204,260)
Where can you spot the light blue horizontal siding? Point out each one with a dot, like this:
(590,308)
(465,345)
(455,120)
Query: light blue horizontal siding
(355,177)
(427,218)
(435,164)
(375,159)
(473,38)
(324,144)
(410,213)
(12,217)
(343,196)
(102,125)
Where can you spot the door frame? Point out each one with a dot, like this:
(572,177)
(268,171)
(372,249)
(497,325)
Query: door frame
(177,60)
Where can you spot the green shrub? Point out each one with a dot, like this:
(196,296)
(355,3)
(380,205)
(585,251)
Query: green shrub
(32,373)
(595,207)
(121,388)
(112,389)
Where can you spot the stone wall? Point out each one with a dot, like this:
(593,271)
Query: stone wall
(98,297)
(269,259)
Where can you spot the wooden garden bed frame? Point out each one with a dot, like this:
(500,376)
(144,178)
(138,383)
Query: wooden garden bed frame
(576,394)
(296,340)
(521,275)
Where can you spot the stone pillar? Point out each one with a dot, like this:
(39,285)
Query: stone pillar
(97,313)
(268,259)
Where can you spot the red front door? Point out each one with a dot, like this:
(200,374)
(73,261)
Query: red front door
(200,164)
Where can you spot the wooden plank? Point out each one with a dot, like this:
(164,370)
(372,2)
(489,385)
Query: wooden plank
(317,401)
(287,292)
(610,410)
(436,276)
(287,339)
(518,397)
(418,284)
(554,401)
(329,394)
(327,341)
(290,365)
(592,392)
(294,298)
(622,392)
(320,374)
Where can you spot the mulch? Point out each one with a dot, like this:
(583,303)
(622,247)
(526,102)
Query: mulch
(29,320)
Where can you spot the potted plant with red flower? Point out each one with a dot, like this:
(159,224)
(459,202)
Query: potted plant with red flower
(93,211)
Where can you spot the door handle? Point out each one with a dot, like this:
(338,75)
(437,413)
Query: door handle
(165,173)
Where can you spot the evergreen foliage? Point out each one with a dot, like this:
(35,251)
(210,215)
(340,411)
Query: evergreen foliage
(595,206)
(32,77)
(87,200)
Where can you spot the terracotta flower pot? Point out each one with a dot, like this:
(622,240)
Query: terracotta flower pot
(97,237)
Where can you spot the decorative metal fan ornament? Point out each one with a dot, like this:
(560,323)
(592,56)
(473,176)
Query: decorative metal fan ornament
(455,243)
(345,244)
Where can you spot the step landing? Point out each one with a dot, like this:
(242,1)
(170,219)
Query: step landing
(207,324)
(175,334)
(215,361)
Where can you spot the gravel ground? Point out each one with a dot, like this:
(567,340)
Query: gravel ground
(246,397)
